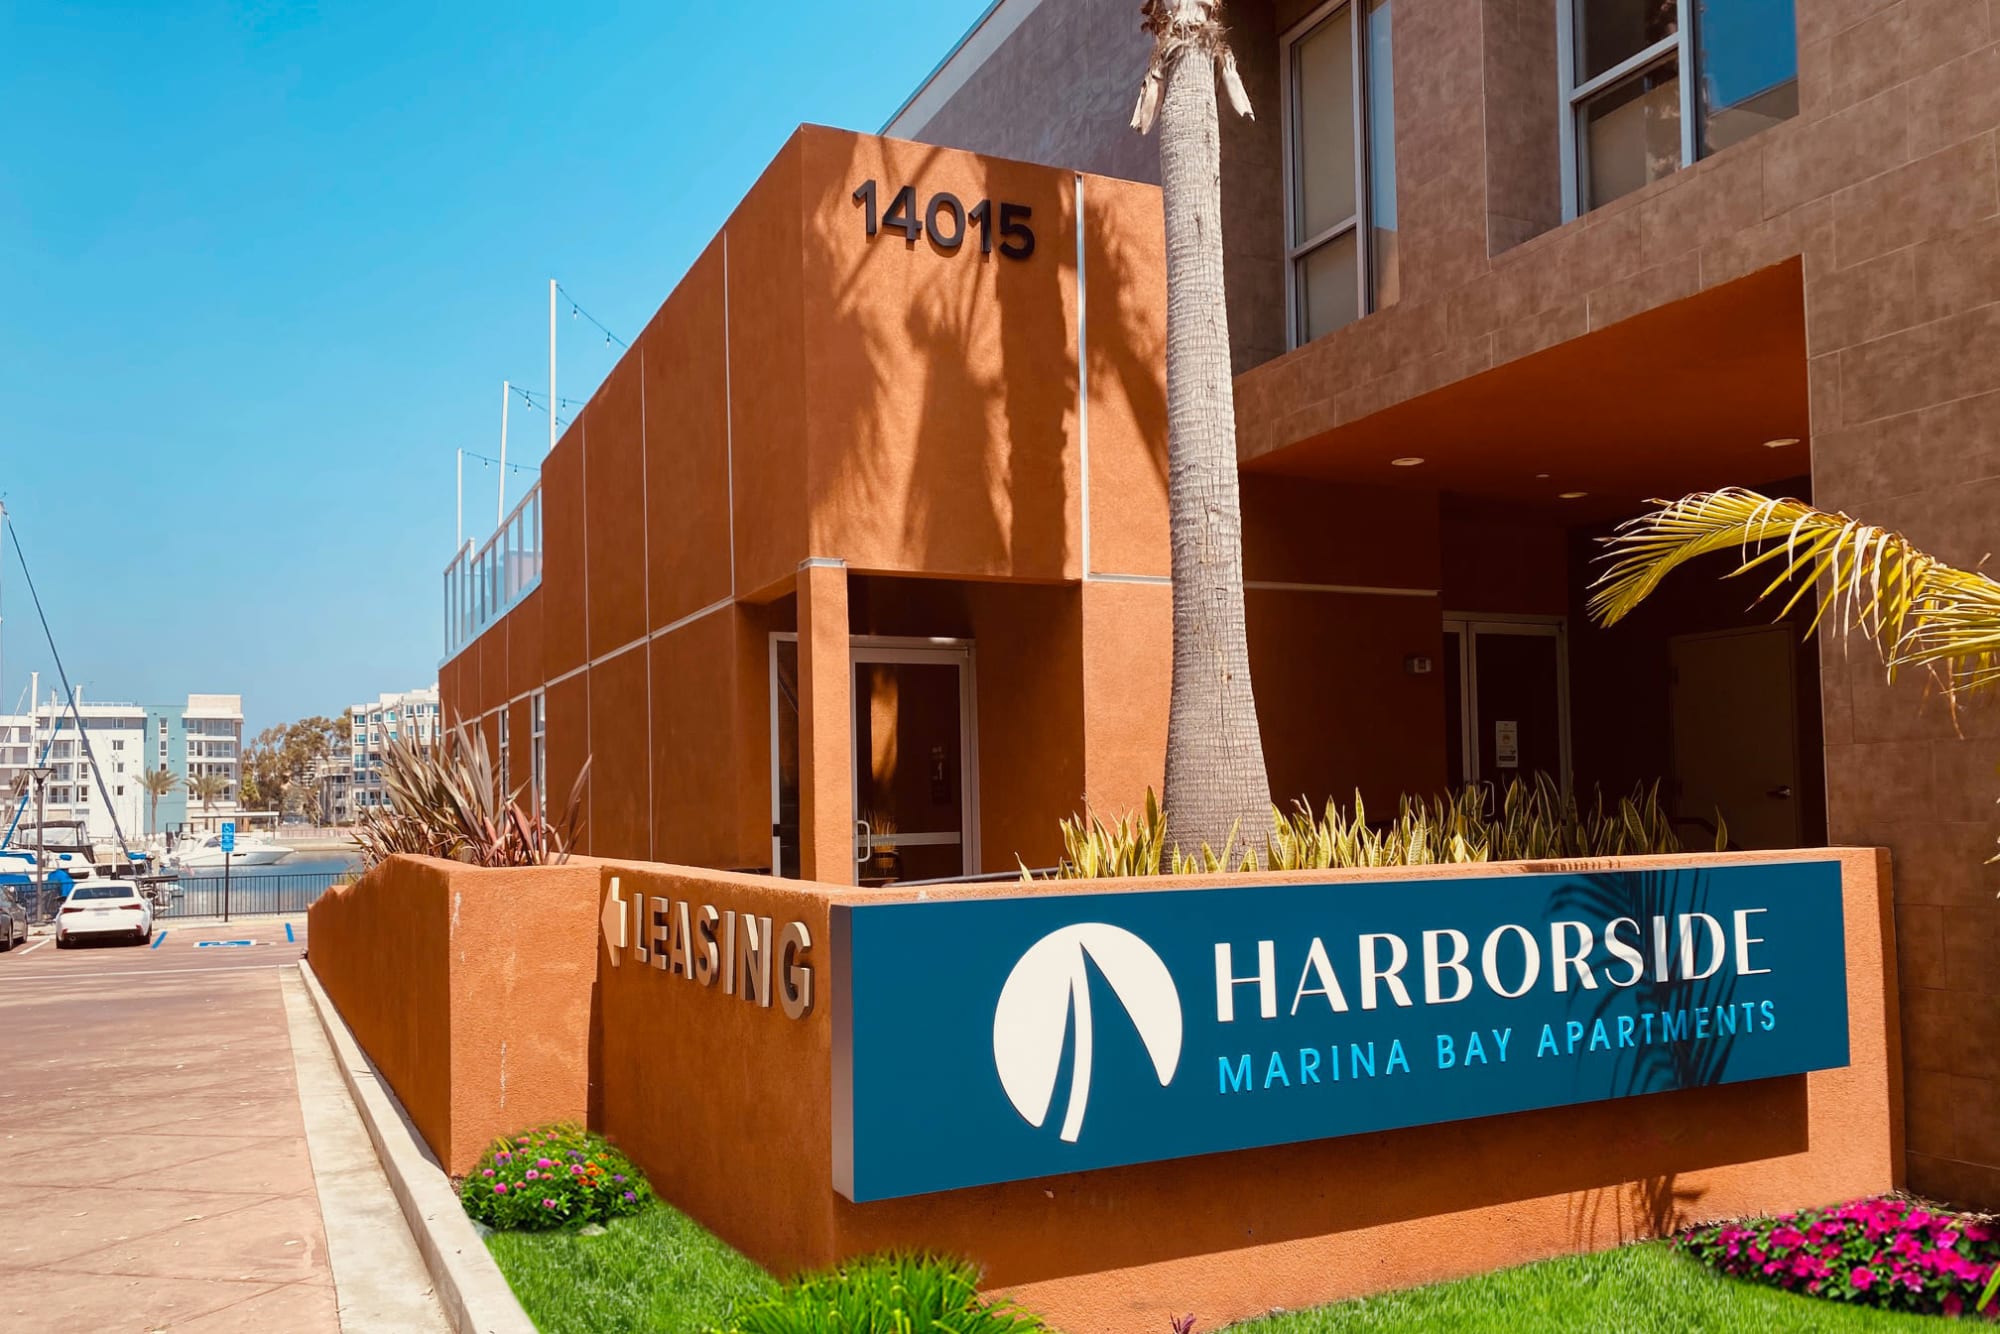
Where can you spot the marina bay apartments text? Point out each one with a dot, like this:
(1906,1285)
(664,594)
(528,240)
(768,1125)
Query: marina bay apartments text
(855,567)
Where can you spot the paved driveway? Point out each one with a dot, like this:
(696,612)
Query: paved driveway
(154,1170)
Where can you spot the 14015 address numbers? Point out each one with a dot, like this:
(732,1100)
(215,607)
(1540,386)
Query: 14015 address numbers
(946,219)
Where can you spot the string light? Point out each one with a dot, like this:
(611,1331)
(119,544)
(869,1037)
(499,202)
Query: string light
(576,309)
(494,463)
(538,402)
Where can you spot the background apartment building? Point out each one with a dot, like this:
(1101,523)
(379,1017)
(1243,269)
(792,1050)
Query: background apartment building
(406,713)
(199,740)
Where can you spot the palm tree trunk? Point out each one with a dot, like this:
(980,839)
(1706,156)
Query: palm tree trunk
(1216,781)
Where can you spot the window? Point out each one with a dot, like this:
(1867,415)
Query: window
(1340,167)
(1632,116)
(538,768)
(506,788)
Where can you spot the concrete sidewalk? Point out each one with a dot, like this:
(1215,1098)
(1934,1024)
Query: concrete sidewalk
(157,1162)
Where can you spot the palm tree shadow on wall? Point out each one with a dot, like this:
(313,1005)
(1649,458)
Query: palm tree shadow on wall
(1658,1203)
(987,468)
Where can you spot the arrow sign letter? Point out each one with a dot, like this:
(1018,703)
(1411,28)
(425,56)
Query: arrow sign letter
(614,919)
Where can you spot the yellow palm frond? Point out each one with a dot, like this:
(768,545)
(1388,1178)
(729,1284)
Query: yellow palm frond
(1916,609)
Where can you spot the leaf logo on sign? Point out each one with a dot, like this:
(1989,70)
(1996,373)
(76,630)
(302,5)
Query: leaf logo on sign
(1049,990)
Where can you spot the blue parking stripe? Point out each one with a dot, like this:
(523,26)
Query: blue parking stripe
(158,936)
(288,934)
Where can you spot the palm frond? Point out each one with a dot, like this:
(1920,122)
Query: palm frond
(1916,610)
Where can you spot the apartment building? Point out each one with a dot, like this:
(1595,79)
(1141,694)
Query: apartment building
(406,713)
(861,548)
(201,739)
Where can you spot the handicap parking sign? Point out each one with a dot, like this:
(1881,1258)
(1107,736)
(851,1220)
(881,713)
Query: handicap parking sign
(229,835)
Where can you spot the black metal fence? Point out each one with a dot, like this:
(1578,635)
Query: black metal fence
(259,894)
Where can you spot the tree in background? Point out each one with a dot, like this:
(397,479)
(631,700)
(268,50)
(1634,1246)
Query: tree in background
(208,789)
(157,783)
(1216,785)
(283,764)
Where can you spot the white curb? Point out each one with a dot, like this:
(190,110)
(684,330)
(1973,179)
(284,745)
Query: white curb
(470,1287)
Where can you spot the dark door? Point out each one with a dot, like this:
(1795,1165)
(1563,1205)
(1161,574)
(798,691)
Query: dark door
(1519,705)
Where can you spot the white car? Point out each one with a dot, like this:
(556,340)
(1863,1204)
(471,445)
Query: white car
(104,909)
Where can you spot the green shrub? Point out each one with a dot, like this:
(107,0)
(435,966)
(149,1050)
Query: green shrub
(887,1294)
(1531,819)
(551,1176)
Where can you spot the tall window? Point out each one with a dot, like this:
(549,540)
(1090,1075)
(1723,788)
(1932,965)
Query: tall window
(538,756)
(1632,115)
(1340,167)
(506,787)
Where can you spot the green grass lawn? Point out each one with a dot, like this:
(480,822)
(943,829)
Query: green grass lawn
(658,1272)
(1644,1289)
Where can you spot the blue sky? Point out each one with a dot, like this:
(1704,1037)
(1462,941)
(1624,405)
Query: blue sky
(264,266)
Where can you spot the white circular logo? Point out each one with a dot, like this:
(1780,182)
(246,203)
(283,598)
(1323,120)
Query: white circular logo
(1051,984)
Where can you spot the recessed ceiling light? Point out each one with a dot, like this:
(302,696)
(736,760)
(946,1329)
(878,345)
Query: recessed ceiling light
(1541,477)
(1407,461)
(1574,495)
(1781,442)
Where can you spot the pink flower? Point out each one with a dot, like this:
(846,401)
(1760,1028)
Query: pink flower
(548,1204)
(499,1188)
(1954,1305)
(543,1163)
(1861,1278)
(533,1175)
(487,1172)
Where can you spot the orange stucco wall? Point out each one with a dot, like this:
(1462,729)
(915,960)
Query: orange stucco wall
(485,1018)
(470,989)
(808,392)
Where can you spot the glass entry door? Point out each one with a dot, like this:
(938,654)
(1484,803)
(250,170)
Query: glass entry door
(1507,711)
(785,755)
(914,809)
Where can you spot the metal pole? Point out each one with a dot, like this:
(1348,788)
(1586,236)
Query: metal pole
(41,845)
(3,619)
(461,501)
(500,510)
(553,400)
(226,857)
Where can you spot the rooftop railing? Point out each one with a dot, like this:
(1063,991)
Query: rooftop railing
(480,586)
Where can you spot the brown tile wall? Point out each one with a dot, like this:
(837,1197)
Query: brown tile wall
(1886,187)
(1523,154)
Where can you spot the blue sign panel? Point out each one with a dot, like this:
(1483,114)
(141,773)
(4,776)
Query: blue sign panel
(229,835)
(989,1040)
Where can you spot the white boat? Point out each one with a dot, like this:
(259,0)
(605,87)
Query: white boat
(63,848)
(206,854)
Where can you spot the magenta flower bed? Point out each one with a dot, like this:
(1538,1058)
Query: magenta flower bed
(550,1177)
(1889,1252)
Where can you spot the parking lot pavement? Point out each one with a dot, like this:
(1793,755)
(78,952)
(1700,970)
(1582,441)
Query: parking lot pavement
(157,1172)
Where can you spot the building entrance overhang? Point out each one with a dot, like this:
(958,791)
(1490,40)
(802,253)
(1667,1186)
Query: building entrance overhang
(1684,397)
